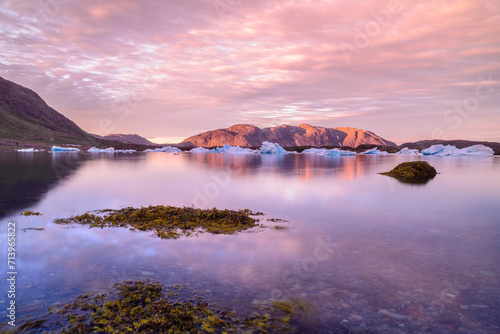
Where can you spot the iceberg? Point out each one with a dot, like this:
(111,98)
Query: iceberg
(64,149)
(407,151)
(201,150)
(109,150)
(98,150)
(479,150)
(167,149)
(234,150)
(374,151)
(266,148)
(331,153)
(448,150)
(28,150)
(272,148)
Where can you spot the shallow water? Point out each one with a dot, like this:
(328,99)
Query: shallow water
(369,252)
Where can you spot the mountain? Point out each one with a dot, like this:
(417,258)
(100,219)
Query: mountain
(128,139)
(24,115)
(286,135)
(458,143)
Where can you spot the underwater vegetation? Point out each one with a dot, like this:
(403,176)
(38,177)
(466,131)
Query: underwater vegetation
(148,307)
(170,222)
(413,172)
(30,213)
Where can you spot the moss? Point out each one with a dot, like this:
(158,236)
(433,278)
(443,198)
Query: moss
(413,172)
(30,213)
(168,222)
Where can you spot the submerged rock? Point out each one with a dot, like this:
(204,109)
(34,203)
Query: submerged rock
(412,172)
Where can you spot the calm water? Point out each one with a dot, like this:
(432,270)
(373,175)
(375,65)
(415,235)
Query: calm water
(370,253)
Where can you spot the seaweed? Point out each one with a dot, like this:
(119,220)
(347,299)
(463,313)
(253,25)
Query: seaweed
(30,213)
(168,222)
(32,229)
(148,307)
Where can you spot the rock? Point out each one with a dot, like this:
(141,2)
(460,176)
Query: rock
(392,315)
(413,172)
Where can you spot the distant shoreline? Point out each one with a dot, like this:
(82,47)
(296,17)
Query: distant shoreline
(14,145)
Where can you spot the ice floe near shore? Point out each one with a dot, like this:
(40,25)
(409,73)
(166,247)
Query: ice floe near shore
(166,149)
(375,151)
(407,151)
(109,150)
(441,150)
(201,150)
(28,150)
(64,149)
(266,148)
(271,148)
(233,150)
(330,153)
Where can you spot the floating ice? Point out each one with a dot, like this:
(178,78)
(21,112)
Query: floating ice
(271,148)
(167,149)
(441,150)
(375,151)
(99,150)
(201,150)
(109,150)
(28,150)
(407,151)
(331,153)
(480,150)
(64,149)
(234,150)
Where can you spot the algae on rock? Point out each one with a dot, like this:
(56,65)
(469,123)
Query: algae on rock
(169,222)
(413,172)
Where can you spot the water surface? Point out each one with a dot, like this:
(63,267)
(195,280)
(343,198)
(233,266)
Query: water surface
(369,252)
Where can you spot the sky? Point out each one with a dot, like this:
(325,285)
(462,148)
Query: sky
(406,70)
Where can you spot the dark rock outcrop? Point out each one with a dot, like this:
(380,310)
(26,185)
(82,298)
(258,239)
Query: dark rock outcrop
(413,172)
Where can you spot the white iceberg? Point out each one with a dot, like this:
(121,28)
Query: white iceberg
(331,153)
(374,151)
(28,150)
(109,150)
(167,149)
(201,150)
(226,149)
(234,150)
(407,151)
(271,148)
(479,150)
(64,149)
(99,150)
(448,150)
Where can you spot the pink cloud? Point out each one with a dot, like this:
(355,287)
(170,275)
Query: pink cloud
(183,67)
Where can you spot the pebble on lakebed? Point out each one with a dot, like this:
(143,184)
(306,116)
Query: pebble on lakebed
(412,172)
(169,222)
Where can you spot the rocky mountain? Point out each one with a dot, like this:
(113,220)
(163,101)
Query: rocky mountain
(24,115)
(128,139)
(286,135)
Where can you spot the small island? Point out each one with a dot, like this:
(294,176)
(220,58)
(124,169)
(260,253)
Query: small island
(413,172)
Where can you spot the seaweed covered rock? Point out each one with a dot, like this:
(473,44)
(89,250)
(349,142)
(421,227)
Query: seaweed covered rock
(149,307)
(169,222)
(413,172)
